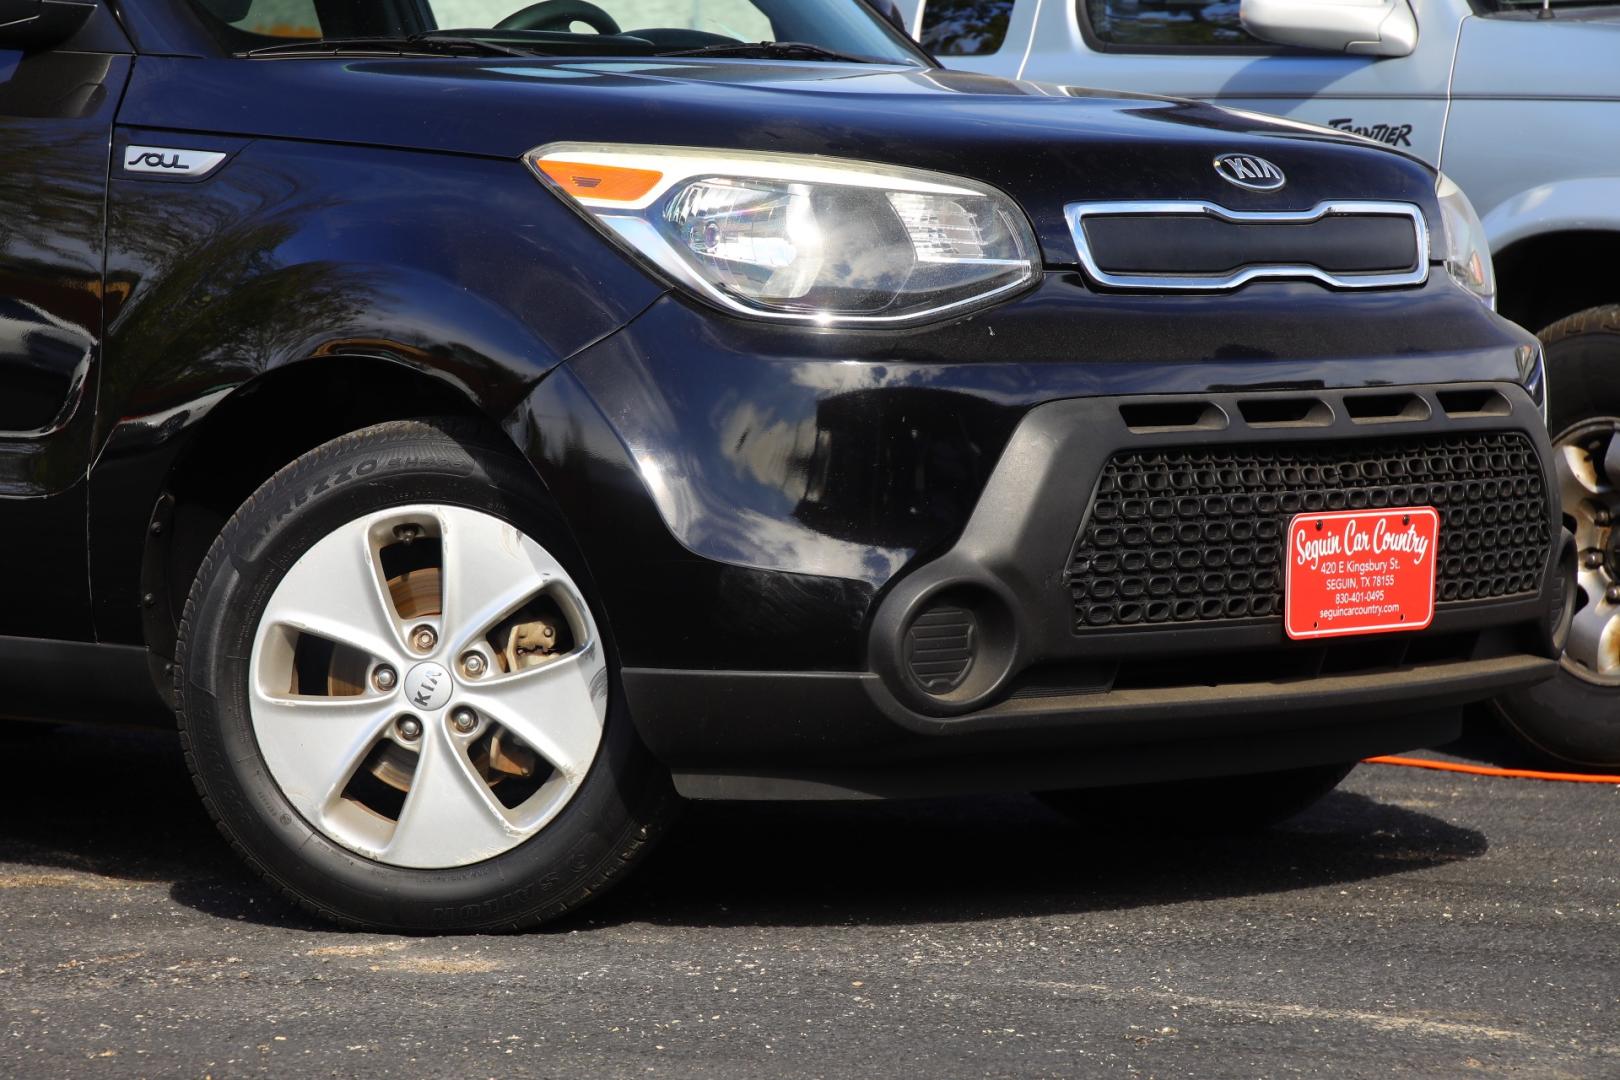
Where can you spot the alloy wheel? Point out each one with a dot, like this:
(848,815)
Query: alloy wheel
(427,686)
(1587,460)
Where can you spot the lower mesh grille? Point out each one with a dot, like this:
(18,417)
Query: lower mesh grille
(1195,535)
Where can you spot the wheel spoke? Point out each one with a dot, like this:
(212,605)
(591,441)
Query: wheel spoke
(450,817)
(1577,479)
(314,745)
(335,591)
(1594,583)
(552,709)
(489,570)
(1592,636)
(1611,462)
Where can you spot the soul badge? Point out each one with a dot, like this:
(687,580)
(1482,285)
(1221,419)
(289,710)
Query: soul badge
(1360,572)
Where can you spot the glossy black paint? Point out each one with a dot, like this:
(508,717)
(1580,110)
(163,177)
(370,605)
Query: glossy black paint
(56,118)
(274,264)
(1045,146)
(746,493)
(842,459)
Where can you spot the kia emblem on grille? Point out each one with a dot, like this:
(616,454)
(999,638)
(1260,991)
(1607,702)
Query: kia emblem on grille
(1248,171)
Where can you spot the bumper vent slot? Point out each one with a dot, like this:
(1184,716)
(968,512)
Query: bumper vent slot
(1286,412)
(1145,417)
(1195,535)
(1383,408)
(1474,402)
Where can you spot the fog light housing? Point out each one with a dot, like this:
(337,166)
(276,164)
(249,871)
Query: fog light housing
(957,649)
(940,647)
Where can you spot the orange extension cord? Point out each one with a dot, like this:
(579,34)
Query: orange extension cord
(1485,770)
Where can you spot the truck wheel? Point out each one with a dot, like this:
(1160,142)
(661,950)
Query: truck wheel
(1221,804)
(1574,717)
(397,698)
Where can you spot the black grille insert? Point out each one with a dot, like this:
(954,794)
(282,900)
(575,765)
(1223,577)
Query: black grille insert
(1195,535)
(1198,244)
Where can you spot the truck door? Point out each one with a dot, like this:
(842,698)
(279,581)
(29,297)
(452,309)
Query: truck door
(1198,49)
(56,119)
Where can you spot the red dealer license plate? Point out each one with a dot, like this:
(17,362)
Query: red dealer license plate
(1360,572)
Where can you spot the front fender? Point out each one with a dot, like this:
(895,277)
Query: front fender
(293,250)
(290,256)
(1581,204)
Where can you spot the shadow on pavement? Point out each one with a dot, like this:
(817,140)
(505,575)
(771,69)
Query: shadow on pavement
(136,817)
(987,858)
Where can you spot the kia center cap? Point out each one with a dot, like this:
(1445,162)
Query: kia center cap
(428,686)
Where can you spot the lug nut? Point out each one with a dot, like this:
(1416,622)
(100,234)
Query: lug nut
(1602,517)
(384,678)
(1612,594)
(423,639)
(1592,560)
(473,664)
(410,728)
(464,719)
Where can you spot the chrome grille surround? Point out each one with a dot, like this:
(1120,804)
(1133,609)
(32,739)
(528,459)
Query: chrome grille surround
(1077,213)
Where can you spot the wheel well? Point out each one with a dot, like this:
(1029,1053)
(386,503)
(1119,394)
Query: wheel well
(1543,278)
(261,428)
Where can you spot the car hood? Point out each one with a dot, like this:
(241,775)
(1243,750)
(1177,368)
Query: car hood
(1044,145)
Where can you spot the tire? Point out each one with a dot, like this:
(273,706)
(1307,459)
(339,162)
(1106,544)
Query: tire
(314,823)
(1574,718)
(1206,807)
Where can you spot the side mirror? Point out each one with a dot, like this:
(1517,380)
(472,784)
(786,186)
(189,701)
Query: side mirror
(30,25)
(1358,27)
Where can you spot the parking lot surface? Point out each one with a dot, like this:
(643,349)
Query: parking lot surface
(1414,924)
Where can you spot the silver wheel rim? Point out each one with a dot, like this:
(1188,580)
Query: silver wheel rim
(328,746)
(1587,460)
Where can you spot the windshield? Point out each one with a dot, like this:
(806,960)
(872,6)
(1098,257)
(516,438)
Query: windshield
(609,27)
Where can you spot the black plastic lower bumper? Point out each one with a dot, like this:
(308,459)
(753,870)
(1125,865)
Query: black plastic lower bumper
(1013,572)
(774,735)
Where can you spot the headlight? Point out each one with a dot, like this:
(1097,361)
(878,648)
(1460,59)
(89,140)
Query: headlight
(799,238)
(1467,254)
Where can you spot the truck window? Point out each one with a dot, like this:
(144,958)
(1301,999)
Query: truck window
(1170,25)
(965,27)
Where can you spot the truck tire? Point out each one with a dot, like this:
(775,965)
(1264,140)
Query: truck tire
(1574,718)
(398,696)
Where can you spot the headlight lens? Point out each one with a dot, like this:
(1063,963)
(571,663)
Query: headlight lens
(799,238)
(1467,254)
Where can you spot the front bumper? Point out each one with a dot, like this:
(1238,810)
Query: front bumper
(1049,702)
(765,531)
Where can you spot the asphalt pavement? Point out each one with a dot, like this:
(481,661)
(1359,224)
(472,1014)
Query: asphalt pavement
(1414,924)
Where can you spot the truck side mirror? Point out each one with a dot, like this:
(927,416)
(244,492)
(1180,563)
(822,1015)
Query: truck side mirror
(31,25)
(1358,27)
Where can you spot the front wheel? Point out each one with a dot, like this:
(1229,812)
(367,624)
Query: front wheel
(397,698)
(1211,806)
(1574,717)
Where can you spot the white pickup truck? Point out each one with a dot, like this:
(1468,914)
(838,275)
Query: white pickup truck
(1517,100)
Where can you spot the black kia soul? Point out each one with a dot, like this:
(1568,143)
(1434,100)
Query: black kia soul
(484,425)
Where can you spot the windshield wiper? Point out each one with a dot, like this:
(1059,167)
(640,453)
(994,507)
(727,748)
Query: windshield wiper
(431,44)
(773,50)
